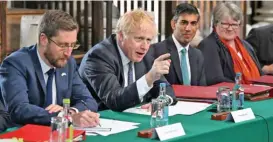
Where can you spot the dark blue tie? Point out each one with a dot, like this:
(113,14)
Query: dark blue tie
(184,67)
(130,73)
(50,74)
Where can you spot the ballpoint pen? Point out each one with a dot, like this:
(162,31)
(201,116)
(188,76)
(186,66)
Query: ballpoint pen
(83,102)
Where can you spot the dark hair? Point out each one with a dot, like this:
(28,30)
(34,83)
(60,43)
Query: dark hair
(185,8)
(55,20)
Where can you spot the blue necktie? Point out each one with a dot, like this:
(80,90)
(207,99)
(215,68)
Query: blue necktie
(50,74)
(184,67)
(130,73)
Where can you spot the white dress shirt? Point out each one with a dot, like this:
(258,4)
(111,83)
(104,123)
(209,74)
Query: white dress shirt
(141,83)
(45,69)
(179,48)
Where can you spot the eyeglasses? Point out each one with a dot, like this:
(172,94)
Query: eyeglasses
(227,25)
(66,45)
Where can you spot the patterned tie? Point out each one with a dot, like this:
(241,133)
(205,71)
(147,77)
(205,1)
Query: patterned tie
(184,67)
(130,73)
(50,74)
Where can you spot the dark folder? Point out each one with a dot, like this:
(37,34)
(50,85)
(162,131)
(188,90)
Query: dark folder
(195,93)
(36,133)
(252,92)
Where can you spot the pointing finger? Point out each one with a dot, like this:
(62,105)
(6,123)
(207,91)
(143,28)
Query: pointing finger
(163,57)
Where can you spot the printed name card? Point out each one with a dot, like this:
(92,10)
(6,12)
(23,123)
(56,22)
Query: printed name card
(170,131)
(242,115)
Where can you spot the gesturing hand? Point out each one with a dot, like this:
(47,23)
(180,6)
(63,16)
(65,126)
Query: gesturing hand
(160,67)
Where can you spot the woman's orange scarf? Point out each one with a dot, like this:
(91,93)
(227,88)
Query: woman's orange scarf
(246,65)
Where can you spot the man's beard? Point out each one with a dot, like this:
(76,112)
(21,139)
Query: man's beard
(54,61)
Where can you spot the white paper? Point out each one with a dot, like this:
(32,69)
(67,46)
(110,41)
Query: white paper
(138,110)
(170,131)
(111,122)
(90,134)
(117,129)
(9,140)
(187,108)
(116,126)
(182,107)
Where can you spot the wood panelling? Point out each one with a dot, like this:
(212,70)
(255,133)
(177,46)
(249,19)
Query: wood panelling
(13,20)
(3,41)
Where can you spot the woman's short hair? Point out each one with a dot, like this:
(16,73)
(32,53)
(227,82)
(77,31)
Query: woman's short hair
(224,9)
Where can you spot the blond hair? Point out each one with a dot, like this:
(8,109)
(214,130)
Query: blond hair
(133,20)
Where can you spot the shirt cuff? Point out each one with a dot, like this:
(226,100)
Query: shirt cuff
(61,113)
(142,87)
(75,109)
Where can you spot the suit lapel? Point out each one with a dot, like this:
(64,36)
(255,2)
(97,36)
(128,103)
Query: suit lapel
(193,64)
(139,69)
(175,58)
(38,69)
(61,78)
(112,41)
(271,35)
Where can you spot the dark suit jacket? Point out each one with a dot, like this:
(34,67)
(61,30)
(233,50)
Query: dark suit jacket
(262,41)
(24,88)
(196,63)
(5,120)
(102,71)
(218,61)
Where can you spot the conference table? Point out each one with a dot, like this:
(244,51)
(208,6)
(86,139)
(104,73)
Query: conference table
(200,128)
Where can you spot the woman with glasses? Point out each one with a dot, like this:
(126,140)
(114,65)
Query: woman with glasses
(224,52)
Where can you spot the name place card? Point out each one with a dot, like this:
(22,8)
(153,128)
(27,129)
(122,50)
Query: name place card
(242,115)
(170,131)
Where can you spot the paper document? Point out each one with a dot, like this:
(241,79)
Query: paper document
(109,126)
(9,140)
(187,108)
(182,107)
(138,110)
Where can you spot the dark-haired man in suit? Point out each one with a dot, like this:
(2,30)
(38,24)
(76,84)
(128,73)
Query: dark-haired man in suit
(187,62)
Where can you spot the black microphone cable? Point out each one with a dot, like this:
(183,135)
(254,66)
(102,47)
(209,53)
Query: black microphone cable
(266,125)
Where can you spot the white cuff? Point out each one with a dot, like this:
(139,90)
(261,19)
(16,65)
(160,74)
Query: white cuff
(75,109)
(142,87)
(61,113)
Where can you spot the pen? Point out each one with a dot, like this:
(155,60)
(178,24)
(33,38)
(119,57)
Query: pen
(83,102)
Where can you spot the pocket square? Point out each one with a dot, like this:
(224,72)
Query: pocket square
(63,74)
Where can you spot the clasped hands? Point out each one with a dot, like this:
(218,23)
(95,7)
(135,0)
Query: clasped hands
(82,119)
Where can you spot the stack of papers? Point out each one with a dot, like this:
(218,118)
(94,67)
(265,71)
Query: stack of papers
(109,126)
(182,107)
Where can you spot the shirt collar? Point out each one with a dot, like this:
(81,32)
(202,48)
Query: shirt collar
(178,45)
(44,66)
(124,58)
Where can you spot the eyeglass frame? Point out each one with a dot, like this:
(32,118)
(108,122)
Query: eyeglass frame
(230,25)
(65,46)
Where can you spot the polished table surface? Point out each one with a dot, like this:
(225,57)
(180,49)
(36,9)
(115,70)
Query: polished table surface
(200,128)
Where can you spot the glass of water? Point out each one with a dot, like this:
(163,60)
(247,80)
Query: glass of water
(157,113)
(223,99)
(58,129)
